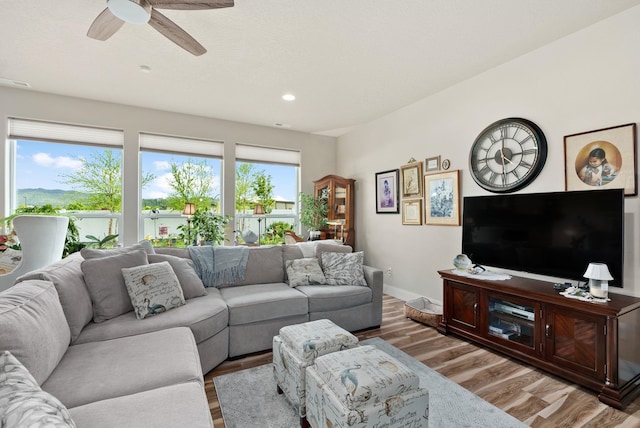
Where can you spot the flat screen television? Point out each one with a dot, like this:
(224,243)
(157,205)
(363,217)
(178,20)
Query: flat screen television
(553,234)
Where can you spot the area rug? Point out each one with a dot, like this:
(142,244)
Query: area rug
(248,398)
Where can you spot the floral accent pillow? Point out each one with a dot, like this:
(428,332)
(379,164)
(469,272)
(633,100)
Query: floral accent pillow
(343,268)
(153,289)
(304,271)
(9,260)
(23,403)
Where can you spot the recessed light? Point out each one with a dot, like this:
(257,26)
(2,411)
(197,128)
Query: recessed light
(288,97)
(282,125)
(145,69)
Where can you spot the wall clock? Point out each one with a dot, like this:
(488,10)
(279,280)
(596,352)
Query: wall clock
(508,155)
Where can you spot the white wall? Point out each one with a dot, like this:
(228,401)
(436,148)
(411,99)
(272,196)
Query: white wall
(588,80)
(318,152)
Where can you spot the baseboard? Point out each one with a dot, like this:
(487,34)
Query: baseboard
(399,293)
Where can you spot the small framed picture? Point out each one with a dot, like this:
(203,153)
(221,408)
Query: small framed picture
(387,192)
(411,180)
(412,211)
(602,159)
(432,164)
(442,198)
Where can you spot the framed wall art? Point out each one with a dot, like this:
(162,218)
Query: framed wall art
(442,198)
(412,211)
(387,192)
(602,159)
(411,180)
(432,164)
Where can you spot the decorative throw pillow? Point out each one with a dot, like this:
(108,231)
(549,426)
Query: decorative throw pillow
(153,289)
(343,268)
(190,282)
(305,271)
(331,248)
(94,253)
(23,403)
(103,277)
(9,260)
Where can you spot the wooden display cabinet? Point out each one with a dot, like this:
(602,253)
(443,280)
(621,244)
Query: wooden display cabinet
(339,192)
(592,344)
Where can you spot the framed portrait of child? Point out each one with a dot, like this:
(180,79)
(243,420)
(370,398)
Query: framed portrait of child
(602,159)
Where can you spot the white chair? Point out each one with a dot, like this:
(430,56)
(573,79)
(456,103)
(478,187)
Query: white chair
(42,240)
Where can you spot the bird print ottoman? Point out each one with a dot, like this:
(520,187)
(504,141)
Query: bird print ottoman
(364,387)
(297,347)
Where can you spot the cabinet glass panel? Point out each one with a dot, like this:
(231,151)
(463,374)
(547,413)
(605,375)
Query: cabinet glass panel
(511,321)
(340,203)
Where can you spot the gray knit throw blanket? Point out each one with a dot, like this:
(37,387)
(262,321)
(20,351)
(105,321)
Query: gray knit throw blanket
(219,265)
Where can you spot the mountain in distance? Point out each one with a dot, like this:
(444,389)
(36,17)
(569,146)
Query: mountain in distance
(55,197)
(61,198)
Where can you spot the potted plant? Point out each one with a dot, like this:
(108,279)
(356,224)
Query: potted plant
(313,213)
(209,226)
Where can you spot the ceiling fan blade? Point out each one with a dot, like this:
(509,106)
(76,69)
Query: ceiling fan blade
(173,32)
(104,26)
(190,4)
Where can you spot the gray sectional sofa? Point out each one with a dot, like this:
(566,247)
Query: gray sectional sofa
(129,372)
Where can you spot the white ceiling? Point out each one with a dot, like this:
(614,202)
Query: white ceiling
(347,61)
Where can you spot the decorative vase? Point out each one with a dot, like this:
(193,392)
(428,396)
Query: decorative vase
(462,262)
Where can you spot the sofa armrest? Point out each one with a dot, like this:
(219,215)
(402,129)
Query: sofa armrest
(374,279)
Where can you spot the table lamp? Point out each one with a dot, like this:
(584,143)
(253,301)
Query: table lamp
(258,210)
(599,277)
(189,210)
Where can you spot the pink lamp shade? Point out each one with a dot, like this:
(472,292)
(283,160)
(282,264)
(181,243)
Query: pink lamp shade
(598,271)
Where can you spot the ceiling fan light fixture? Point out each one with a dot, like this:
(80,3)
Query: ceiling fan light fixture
(131,11)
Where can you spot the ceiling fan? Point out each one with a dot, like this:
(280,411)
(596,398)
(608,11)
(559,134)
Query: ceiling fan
(144,11)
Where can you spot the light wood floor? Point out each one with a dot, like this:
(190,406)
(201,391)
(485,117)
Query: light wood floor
(532,396)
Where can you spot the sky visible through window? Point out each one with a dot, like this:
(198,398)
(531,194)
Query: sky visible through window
(39,165)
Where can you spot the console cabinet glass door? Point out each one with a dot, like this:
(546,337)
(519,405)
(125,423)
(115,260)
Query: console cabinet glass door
(576,341)
(513,321)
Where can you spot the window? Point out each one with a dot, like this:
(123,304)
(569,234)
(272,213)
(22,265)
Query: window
(176,171)
(268,177)
(71,169)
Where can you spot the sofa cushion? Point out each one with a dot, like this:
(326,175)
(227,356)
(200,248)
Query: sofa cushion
(113,368)
(153,289)
(304,271)
(343,269)
(325,298)
(173,251)
(96,253)
(206,316)
(260,302)
(67,277)
(104,280)
(264,265)
(190,282)
(176,406)
(290,252)
(23,403)
(331,248)
(33,327)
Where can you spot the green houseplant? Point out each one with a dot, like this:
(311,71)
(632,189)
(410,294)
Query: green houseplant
(313,212)
(209,226)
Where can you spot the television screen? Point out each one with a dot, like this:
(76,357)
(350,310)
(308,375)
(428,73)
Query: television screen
(554,234)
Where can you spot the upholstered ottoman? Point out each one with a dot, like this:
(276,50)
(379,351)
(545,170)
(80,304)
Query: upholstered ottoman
(362,387)
(297,347)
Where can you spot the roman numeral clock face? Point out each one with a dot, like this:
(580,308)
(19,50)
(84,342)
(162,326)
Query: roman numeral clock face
(508,155)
